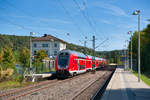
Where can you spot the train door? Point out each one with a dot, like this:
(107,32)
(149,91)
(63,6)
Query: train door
(75,65)
(93,64)
(87,64)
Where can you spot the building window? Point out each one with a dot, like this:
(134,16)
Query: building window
(35,52)
(34,45)
(44,45)
(55,53)
(55,45)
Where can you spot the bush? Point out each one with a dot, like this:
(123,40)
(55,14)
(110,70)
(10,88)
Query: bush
(17,78)
(6,74)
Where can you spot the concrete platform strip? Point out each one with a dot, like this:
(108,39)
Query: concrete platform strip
(124,86)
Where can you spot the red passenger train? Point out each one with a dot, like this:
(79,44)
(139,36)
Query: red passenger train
(69,63)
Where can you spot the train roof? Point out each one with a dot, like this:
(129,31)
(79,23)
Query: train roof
(90,56)
(79,54)
(74,52)
(98,58)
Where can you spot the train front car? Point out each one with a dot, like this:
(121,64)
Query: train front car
(69,63)
(62,64)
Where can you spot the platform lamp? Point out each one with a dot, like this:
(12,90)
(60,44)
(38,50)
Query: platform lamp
(130,33)
(137,12)
(31,33)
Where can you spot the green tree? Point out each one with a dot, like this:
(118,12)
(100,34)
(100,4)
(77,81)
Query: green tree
(40,55)
(1,57)
(145,48)
(8,60)
(24,58)
(38,61)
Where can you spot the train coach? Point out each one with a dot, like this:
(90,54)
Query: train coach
(69,63)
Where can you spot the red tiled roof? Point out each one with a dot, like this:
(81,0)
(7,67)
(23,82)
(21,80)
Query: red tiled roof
(48,38)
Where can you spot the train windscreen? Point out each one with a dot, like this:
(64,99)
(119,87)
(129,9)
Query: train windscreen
(63,59)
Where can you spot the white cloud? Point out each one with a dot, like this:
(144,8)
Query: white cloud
(40,20)
(53,20)
(106,22)
(111,9)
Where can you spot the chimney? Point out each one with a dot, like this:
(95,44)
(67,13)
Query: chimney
(45,35)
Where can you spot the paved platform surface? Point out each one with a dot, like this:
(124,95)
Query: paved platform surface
(124,85)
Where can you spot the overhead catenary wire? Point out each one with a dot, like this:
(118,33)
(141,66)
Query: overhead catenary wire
(84,15)
(18,25)
(69,15)
(102,43)
(92,19)
(87,14)
(21,10)
(27,13)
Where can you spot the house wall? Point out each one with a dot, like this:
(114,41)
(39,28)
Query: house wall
(53,47)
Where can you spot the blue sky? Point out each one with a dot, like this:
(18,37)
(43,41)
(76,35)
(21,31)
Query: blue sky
(106,19)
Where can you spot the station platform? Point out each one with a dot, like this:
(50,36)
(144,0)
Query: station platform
(124,85)
(36,77)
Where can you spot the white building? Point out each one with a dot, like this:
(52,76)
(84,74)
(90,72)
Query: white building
(50,44)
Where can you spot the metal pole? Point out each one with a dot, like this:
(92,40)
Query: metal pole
(93,66)
(139,70)
(125,58)
(85,43)
(85,46)
(31,50)
(131,51)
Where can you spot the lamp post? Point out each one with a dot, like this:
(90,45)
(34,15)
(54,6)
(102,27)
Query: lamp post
(137,12)
(125,57)
(126,53)
(130,32)
(31,33)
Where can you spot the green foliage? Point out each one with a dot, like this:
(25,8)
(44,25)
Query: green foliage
(8,60)
(145,48)
(1,58)
(38,61)
(16,55)
(13,84)
(17,78)
(9,84)
(15,42)
(40,67)
(6,74)
(78,48)
(111,56)
(143,78)
(24,58)
(40,55)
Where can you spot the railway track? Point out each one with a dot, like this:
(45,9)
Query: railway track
(100,91)
(33,89)
(83,89)
(14,94)
(103,79)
